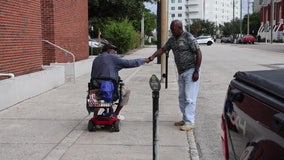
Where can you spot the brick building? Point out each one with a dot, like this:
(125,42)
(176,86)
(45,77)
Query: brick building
(272,15)
(24,24)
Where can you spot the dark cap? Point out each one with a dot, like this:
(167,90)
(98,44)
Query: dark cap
(108,46)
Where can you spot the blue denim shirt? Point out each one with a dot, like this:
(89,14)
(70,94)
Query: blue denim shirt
(108,65)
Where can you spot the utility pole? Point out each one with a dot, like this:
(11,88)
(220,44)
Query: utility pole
(248,19)
(234,34)
(142,30)
(241,17)
(164,35)
(158,29)
(271,21)
(233,9)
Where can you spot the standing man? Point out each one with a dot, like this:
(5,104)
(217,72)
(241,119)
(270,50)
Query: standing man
(188,57)
(108,64)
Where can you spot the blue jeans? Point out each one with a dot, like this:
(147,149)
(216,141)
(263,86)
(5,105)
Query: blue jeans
(188,91)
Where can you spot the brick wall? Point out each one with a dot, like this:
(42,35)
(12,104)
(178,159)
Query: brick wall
(25,23)
(70,29)
(20,36)
(47,18)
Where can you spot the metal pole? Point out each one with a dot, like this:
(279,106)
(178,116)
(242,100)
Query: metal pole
(155,95)
(142,30)
(159,29)
(271,21)
(241,17)
(92,28)
(234,36)
(155,86)
(99,37)
(167,70)
(248,19)
(164,34)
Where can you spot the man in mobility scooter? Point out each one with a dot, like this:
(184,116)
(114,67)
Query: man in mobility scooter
(104,74)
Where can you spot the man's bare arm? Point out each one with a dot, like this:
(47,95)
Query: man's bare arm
(158,53)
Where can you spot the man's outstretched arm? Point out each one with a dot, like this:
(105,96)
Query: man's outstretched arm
(158,53)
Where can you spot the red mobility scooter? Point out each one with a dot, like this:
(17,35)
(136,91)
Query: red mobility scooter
(103,114)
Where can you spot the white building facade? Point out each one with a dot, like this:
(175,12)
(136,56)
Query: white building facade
(216,11)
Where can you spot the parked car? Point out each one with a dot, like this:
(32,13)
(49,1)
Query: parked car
(205,40)
(247,39)
(253,116)
(94,44)
(102,40)
(227,40)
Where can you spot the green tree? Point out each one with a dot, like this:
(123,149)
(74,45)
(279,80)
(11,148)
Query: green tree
(150,23)
(122,34)
(226,29)
(230,28)
(195,27)
(254,23)
(102,12)
(116,9)
(202,27)
(208,28)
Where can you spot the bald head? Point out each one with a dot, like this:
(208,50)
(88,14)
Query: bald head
(176,28)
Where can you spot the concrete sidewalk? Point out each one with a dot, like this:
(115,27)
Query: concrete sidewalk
(53,125)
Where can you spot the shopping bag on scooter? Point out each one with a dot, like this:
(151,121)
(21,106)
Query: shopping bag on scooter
(106,91)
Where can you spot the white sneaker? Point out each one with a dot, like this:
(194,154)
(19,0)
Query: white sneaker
(121,117)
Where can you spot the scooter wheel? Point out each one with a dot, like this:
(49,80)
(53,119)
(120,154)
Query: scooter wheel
(116,126)
(91,126)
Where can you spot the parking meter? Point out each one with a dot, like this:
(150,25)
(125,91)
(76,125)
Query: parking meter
(155,83)
(155,86)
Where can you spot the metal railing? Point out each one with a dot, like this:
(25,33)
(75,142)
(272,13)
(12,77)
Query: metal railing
(66,51)
(11,75)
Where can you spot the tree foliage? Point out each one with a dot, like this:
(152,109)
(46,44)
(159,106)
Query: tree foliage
(122,34)
(202,27)
(195,27)
(230,28)
(233,27)
(116,9)
(104,12)
(150,23)
(254,23)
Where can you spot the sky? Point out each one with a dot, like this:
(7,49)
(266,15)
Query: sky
(152,7)
(245,6)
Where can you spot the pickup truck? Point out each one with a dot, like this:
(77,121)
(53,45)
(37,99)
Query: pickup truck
(253,116)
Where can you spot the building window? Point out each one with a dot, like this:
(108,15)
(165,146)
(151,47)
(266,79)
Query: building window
(179,8)
(173,15)
(179,1)
(172,1)
(172,8)
(179,15)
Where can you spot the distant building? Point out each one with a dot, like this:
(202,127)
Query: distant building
(257,5)
(268,21)
(217,11)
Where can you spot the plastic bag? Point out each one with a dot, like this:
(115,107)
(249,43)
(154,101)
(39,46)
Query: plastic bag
(106,90)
